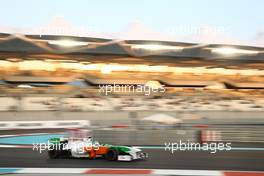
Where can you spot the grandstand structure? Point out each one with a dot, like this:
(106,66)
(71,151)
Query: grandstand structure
(47,72)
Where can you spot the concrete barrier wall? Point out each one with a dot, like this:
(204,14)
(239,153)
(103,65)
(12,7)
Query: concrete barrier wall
(160,137)
(19,125)
(144,137)
(112,117)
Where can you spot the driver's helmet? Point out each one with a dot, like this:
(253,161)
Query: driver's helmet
(88,139)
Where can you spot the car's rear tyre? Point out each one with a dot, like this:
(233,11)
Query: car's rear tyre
(112,155)
(53,154)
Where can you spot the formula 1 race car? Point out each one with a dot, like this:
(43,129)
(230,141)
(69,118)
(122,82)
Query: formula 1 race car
(88,148)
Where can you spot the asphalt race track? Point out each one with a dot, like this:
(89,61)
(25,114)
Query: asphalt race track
(158,159)
(243,160)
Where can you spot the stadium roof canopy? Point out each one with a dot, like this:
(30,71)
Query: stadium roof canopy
(136,51)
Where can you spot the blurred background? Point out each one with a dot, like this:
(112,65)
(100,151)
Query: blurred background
(184,86)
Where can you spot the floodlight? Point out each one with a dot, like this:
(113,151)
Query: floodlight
(67,43)
(231,51)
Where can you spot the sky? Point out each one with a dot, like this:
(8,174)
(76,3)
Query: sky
(242,19)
